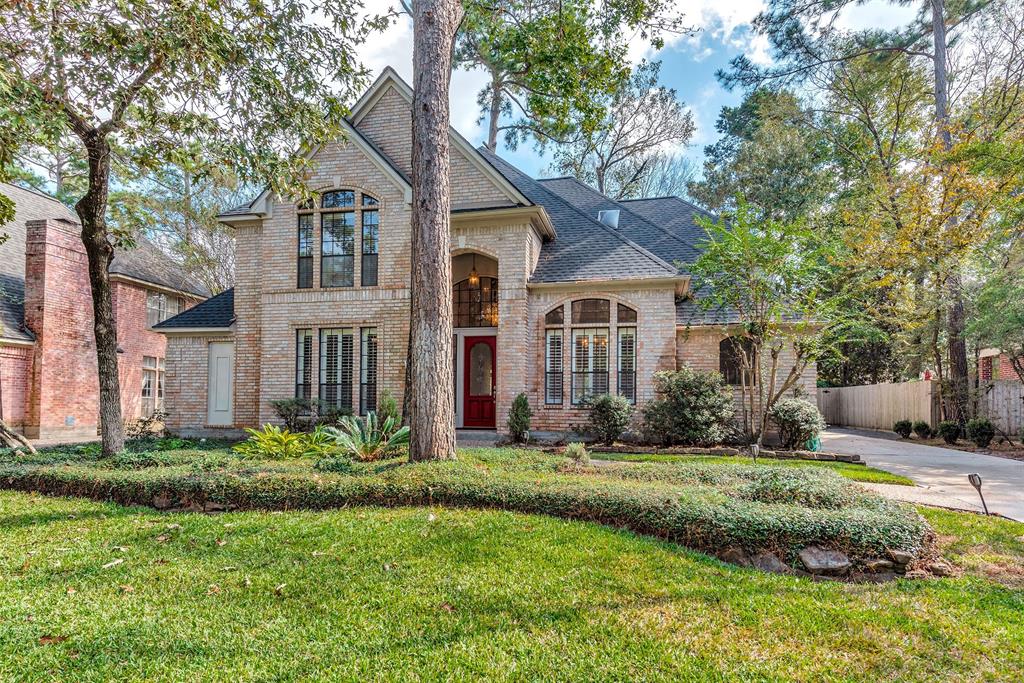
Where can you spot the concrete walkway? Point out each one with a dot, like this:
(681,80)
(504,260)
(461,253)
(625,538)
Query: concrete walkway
(940,473)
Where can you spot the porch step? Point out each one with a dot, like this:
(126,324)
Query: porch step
(476,437)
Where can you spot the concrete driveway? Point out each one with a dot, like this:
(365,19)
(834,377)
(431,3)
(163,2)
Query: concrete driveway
(942,472)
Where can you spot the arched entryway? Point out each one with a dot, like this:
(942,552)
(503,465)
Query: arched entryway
(475,322)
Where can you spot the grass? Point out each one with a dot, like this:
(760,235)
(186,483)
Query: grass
(707,506)
(431,593)
(854,472)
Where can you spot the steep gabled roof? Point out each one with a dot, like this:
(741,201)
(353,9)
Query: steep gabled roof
(215,313)
(675,215)
(585,249)
(633,225)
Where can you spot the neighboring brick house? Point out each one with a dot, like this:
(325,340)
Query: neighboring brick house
(559,291)
(994,364)
(48,371)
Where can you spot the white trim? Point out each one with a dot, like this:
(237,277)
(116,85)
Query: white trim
(460,334)
(195,331)
(8,341)
(389,77)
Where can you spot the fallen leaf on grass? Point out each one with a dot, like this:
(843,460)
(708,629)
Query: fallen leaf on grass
(173,526)
(229,569)
(121,548)
(247,582)
(113,563)
(318,553)
(221,542)
(446,607)
(162,538)
(125,588)
(214,589)
(51,640)
(71,591)
(279,590)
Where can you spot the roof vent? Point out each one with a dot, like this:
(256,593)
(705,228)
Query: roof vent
(609,218)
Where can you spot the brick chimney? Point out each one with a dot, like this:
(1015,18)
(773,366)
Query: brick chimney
(64,392)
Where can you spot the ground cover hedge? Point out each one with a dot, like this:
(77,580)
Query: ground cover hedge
(703,506)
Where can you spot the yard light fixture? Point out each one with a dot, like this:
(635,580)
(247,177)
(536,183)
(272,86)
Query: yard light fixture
(474,277)
(754,451)
(975,480)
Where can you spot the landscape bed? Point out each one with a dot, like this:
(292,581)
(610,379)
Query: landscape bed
(714,508)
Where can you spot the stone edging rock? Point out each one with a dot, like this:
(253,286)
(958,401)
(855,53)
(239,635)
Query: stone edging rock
(728,451)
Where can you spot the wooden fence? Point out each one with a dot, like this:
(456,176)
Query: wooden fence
(1003,403)
(878,406)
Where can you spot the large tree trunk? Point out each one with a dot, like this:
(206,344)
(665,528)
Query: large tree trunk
(92,209)
(432,406)
(955,319)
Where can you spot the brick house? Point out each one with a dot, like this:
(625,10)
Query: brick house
(48,374)
(558,290)
(995,364)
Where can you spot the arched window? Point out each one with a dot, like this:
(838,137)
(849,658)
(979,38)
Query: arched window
(625,318)
(475,305)
(731,363)
(554,360)
(337,238)
(591,312)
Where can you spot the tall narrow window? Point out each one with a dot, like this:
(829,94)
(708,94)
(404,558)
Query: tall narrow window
(589,363)
(305,252)
(553,363)
(152,385)
(368,370)
(731,353)
(371,246)
(627,363)
(156,308)
(336,356)
(337,249)
(304,364)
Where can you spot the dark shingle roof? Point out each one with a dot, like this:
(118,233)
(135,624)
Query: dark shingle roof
(673,214)
(217,312)
(145,262)
(148,263)
(585,248)
(689,312)
(651,235)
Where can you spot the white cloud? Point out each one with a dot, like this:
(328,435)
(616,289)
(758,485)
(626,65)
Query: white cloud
(718,21)
(876,14)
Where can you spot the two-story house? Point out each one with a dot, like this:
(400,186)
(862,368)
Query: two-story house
(559,291)
(49,384)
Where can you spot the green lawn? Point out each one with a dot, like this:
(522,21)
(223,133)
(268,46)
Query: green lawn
(442,594)
(854,472)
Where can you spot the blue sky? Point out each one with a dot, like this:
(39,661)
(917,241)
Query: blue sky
(688,64)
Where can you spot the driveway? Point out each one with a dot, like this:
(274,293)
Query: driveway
(942,472)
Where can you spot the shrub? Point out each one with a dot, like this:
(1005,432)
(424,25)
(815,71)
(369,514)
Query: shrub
(692,409)
(981,431)
(578,453)
(922,429)
(904,428)
(338,464)
(368,439)
(272,443)
(949,431)
(798,421)
(519,418)
(319,443)
(303,414)
(388,408)
(609,417)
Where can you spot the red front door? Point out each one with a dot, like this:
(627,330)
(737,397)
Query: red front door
(478,382)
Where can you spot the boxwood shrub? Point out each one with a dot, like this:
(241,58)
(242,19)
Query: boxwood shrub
(702,506)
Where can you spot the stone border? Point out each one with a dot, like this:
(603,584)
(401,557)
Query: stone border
(730,452)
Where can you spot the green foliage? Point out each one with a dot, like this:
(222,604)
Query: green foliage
(798,421)
(998,318)
(272,443)
(303,414)
(519,418)
(692,409)
(904,428)
(369,438)
(387,408)
(707,506)
(337,464)
(949,431)
(609,417)
(577,452)
(922,429)
(981,431)
(552,64)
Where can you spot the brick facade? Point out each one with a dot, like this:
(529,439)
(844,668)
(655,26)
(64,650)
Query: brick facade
(269,308)
(50,385)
